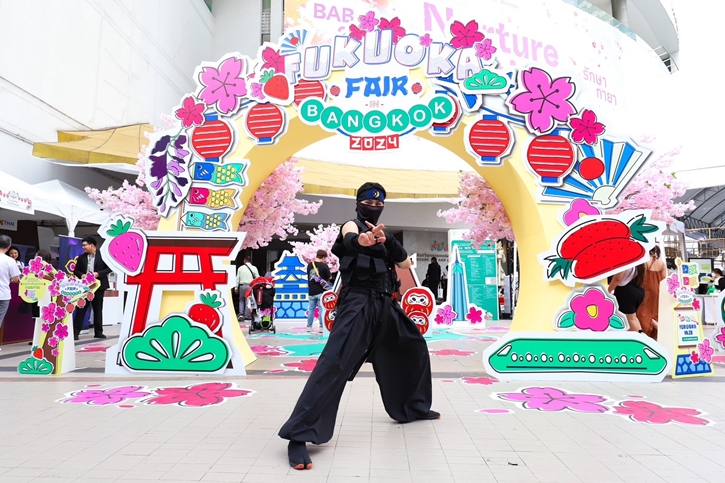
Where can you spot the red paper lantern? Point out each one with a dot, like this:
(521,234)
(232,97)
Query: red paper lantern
(445,127)
(213,139)
(491,139)
(264,122)
(305,89)
(551,157)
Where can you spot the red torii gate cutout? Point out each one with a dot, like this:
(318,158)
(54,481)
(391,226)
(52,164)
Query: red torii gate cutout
(150,277)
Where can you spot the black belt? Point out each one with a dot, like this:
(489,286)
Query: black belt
(387,305)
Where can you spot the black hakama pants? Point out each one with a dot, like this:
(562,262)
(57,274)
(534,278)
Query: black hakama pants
(393,344)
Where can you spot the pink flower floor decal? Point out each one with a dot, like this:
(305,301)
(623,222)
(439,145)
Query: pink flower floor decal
(543,101)
(268,351)
(198,395)
(554,399)
(483,381)
(648,412)
(93,348)
(305,365)
(451,352)
(105,397)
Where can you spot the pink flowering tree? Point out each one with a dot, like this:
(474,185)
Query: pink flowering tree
(655,188)
(130,199)
(478,207)
(322,238)
(273,208)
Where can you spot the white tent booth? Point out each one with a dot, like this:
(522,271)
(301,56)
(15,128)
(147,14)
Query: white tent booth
(54,202)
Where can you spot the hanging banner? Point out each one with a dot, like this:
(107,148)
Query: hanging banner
(14,201)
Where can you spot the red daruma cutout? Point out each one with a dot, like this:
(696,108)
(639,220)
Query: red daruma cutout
(330,319)
(329,300)
(418,298)
(421,320)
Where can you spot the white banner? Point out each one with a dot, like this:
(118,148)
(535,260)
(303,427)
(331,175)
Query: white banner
(12,200)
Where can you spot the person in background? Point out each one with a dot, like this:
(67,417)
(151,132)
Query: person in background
(14,253)
(246,273)
(718,280)
(434,276)
(648,312)
(628,289)
(91,262)
(444,283)
(45,300)
(318,280)
(9,273)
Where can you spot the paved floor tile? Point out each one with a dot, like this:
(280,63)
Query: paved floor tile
(236,440)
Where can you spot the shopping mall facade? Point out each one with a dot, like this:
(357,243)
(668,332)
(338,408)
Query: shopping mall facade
(100,66)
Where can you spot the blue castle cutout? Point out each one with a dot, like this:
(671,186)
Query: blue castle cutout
(290,277)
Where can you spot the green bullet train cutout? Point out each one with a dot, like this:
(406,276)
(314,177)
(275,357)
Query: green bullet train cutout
(611,357)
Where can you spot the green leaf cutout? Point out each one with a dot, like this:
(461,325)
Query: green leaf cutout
(616,322)
(176,345)
(33,366)
(566,321)
(486,81)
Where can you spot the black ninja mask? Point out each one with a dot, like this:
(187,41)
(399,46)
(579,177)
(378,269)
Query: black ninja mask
(368,213)
(373,192)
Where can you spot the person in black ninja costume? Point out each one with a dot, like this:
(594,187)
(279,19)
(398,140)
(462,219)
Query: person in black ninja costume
(369,325)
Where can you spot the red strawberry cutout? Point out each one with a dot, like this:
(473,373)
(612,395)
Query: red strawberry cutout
(70,308)
(38,352)
(275,85)
(596,248)
(206,312)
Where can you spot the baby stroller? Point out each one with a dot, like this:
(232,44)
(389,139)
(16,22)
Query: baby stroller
(260,302)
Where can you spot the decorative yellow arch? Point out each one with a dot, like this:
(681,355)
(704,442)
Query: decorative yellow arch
(534,224)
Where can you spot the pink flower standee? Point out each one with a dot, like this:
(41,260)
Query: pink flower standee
(543,101)
(465,35)
(224,86)
(586,129)
(368,21)
(191,113)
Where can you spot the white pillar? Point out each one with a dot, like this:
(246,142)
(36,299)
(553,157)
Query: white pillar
(619,11)
(276,24)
